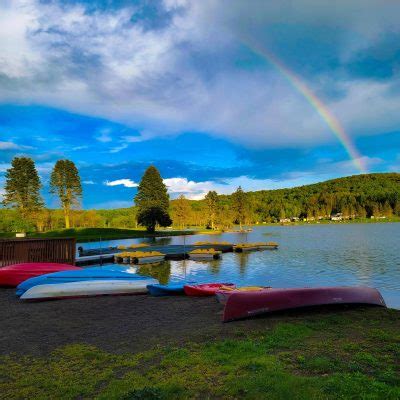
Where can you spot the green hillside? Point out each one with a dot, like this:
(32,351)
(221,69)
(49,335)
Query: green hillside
(359,195)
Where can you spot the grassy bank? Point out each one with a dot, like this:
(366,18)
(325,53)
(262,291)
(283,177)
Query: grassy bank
(95,234)
(334,356)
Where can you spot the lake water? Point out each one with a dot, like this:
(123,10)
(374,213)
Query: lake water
(309,255)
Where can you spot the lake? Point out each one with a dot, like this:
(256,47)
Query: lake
(309,255)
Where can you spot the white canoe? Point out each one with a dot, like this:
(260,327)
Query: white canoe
(88,288)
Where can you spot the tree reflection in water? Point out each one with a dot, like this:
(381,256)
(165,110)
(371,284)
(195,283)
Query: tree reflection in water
(160,271)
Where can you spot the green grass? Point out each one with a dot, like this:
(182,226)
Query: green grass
(95,234)
(334,356)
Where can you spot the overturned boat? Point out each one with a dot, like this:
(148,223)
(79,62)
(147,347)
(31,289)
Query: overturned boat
(87,274)
(87,289)
(247,304)
(13,275)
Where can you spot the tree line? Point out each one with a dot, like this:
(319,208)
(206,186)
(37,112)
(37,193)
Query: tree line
(359,196)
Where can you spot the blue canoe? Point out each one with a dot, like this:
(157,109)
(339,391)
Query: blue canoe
(167,290)
(88,274)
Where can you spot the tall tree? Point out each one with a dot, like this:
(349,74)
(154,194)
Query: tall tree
(212,207)
(66,184)
(152,201)
(182,211)
(22,186)
(239,205)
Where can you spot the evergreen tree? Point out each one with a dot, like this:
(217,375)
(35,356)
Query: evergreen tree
(22,187)
(212,207)
(66,184)
(239,205)
(152,200)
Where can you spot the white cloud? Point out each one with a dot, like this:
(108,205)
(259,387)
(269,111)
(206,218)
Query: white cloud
(13,146)
(104,136)
(197,190)
(166,81)
(76,148)
(124,182)
(88,182)
(4,167)
(119,148)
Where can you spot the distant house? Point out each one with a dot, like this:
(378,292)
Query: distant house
(295,219)
(284,220)
(337,217)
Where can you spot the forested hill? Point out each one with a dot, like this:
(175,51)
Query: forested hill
(359,195)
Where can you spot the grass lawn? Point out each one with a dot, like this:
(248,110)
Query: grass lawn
(334,356)
(86,234)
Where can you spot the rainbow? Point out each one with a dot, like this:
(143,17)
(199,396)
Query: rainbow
(332,122)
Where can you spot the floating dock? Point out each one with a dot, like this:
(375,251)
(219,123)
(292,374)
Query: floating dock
(172,252)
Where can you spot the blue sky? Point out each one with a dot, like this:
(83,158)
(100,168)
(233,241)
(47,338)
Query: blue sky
(118,85)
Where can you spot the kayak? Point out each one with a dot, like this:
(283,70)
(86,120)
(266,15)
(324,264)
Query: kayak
(176,288)
(13,275)
(223,293)
(246,304)
(87,288)
(95,273)
(206,289)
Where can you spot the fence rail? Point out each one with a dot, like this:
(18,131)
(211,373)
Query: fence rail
(14,251)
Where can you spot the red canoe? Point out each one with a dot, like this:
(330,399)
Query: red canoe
(243,305)
(206,289)
(13,275)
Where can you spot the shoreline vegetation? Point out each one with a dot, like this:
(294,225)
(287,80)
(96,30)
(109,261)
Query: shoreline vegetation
(360,198)
(98,234)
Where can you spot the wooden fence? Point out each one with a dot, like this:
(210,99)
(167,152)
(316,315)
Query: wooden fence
(15,251)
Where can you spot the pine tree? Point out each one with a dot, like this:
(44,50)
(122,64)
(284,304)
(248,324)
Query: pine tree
(22,187)
(152,200)
(66,184)
(239,205)
(212,207)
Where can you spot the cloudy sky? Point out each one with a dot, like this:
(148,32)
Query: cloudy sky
(215,93)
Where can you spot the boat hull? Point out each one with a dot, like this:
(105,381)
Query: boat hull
(247,304)
(87,289)
(86,274)
(223,295)
(13,275)
(167,290)
(207,289)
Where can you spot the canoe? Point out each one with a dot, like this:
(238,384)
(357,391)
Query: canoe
(13,275)
(206,289)
(224,293)
(247,304)
(87,274)
(87,288)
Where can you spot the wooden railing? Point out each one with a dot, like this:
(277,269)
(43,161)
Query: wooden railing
(15,251)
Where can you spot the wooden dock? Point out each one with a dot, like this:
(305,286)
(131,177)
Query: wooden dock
(172,252)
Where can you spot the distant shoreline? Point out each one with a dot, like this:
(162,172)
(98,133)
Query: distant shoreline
(97,234)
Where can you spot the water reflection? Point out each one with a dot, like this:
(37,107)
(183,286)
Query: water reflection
(309,255)
(160,271)
(242,260)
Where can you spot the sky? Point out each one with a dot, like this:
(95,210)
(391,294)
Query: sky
(214,93)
